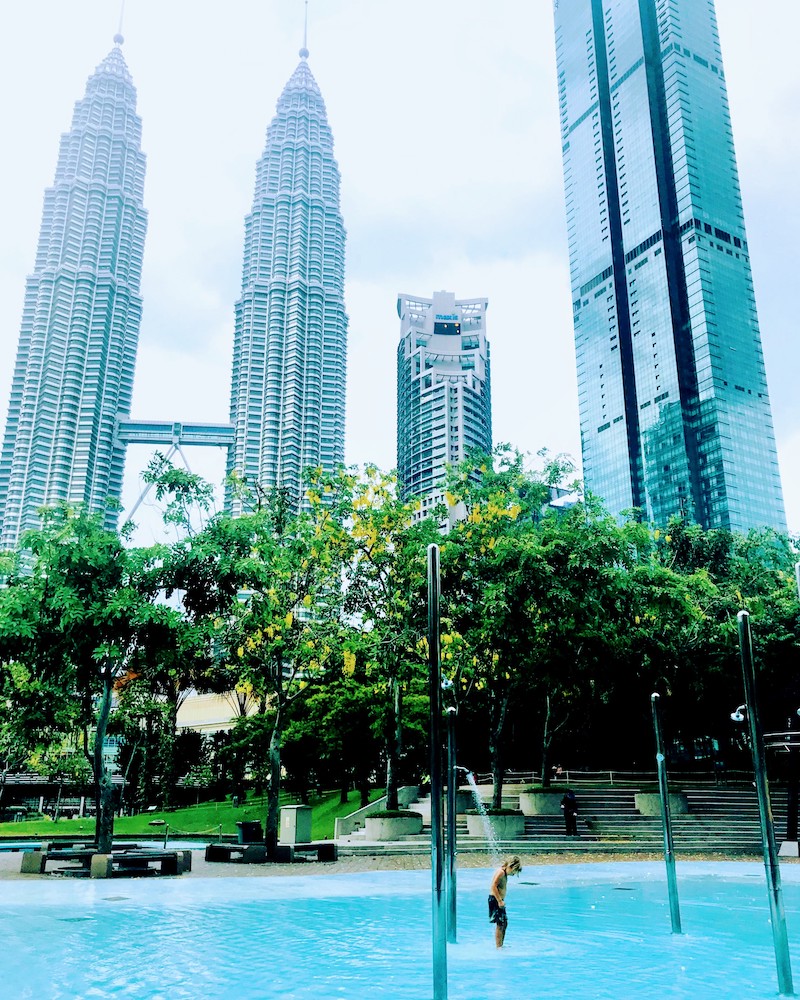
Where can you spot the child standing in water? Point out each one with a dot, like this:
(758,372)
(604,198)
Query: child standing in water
(497,897)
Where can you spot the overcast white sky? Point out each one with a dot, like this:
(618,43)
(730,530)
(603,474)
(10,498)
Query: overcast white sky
(444,114)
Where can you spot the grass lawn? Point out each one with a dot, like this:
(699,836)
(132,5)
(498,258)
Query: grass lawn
(207,819)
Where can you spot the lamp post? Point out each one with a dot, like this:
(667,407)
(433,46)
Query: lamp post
(452,788)
(775,892)
(439,916)
(663,791)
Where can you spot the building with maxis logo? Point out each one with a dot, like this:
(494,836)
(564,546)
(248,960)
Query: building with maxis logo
(444,407)
(675,414)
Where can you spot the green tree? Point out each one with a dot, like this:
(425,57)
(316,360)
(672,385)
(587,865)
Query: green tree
(494,570)
(270,581)
(71,624)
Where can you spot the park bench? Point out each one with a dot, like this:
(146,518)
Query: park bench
(246,853)
(125,859)
(325,850)
(137,861)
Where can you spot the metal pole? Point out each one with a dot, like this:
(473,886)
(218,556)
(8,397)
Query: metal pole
(439,916)
(777,913)
(666,823)
(452,788)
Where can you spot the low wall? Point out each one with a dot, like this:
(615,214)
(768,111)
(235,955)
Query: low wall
(649,803)
(464,800)
(503,827)
(345,825)
(392,827)
(540,803)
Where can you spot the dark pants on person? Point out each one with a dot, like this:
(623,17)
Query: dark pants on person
(571,822)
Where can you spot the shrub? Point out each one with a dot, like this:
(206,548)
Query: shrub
(555,789)
(392,814)
(495,812)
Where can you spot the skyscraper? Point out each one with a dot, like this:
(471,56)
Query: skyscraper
(290,346)
(80,324)
(675,415)
(444,403)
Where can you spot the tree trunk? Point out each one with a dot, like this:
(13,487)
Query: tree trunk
(497,720)
(546,737)
(168,751)
(58,801)
(394,745)
(104,821)
(274,789)
(145,792)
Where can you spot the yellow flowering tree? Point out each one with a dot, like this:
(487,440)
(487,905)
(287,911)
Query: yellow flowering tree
(271,579)
(385,542)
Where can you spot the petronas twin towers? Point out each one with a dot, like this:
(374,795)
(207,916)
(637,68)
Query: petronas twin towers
(68,418)
(290,347)
(674,408)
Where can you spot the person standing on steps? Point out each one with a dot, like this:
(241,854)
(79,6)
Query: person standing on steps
(570,806)
(497,897)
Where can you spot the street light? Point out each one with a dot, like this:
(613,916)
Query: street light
(663,791)
(452,797)
(779,937)
(439,917)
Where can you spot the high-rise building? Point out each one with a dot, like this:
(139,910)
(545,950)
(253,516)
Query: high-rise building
(73,376)
(444,404)
(290,347)
(675,415)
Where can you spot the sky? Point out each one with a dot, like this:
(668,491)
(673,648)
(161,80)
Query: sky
(444,116)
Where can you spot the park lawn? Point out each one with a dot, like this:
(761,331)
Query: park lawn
(209,819)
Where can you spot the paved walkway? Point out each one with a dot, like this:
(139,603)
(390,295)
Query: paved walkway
(10,864)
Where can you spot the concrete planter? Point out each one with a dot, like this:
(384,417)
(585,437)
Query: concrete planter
(503,827)
(392,827)
(649,803)
(540,803)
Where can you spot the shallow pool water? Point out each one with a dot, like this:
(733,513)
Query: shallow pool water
(594,931)
(178,845)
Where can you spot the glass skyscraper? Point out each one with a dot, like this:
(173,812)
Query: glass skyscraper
(73,376)
(290,346)
(444,400)
(675,415)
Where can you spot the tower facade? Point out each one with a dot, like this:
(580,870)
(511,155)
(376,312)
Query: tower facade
(290,346)
(74,369)
(675,414)
(444,404)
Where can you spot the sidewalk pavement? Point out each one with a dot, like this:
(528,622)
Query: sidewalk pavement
(10,862)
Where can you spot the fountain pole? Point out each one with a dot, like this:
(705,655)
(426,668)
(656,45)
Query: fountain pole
(452,788)
(777,912)
(663,791)
(439,916)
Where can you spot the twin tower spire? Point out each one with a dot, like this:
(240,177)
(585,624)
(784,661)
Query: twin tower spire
(69,412)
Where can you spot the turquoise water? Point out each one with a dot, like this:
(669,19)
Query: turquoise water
(178,845)
(591,931)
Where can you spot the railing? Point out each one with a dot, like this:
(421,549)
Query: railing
(623,779)
(345,825)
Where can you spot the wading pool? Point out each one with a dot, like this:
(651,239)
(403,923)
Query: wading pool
(593,931)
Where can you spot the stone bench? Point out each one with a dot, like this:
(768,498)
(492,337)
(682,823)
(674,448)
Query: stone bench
(123,860)
(246,853)
(326,850)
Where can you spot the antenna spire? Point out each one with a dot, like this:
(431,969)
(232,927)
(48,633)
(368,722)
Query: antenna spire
(304,50)
(119,38)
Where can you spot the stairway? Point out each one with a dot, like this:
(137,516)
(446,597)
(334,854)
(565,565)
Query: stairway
(721,819)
